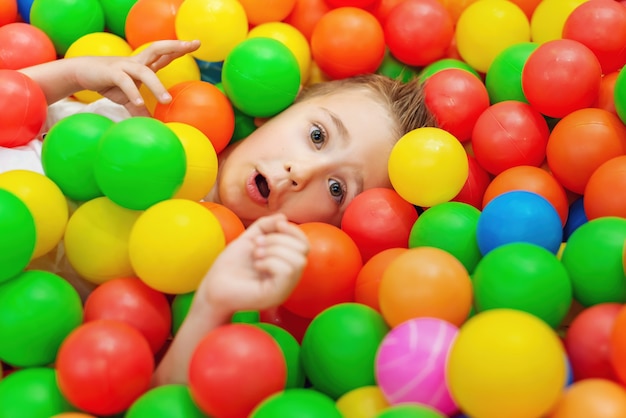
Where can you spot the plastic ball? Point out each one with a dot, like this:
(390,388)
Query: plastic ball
(519,216)
(549,17)
(220,25)
(363,402)
(32,337)
(456,98)
(307,403)
(509,134)
(330,275)
(230,222)
(261,76)
(65,21)
(347,41)
(606,101)
(580,143)
(234,368)
(173,400)
(305,15)
(368,280)
(292,38)
(291,350)
(532,179)
(417,347)
(593,259)
(576,217)
(18,235)
(8,12)
(504,76)
(173,244)
(617,347)
(450,226)
(410,411)
(69,152)
(23,108)
(378,219)
(619,95)
(33,390)
(139,162)
(23,9)
(203,106)
(115,13)
(425,281)
(296,325)
(588,341)
(473,191)
(600,196)
(45,202)
(180,308)
(486,28)
(151,20)
(591,398)
(73,415)
(445,64)
(269,11)
(428,166)
(201,162)
(88,355)
(506,360)
(339,348)
(418,32)
(130,300)
(19,37)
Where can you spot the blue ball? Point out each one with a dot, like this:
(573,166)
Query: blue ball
(23,8)
(519,216)
(575,218)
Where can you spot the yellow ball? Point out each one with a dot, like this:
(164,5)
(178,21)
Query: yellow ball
(219,24)
(96,240)
(487,27)
(549,17)
(101,44)
(292,38)
(46,203)
(428,166)
(506,363)
(201,162)
(174,243)
(363,402)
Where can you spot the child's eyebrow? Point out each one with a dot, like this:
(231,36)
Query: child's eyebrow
(339,125)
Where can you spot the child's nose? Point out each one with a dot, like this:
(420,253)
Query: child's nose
(299,173)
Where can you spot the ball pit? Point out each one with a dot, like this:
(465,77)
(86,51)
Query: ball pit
(18,235)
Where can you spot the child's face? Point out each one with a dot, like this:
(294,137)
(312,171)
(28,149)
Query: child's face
(309,161)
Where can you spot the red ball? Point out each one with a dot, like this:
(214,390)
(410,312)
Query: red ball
(478,179)
(617,348)
(378,219)
(104,366)
(604,191)
(131,301)
(587,342)
(347,41)
(561,76)
(334,261)
(600,25)
(202,105)
(456,98)
(362,4)
(418,32)
(606,96)
(23,109)
(18,37)
(508,134)
(294,324)
(234,368)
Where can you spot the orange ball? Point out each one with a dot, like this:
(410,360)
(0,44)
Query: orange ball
(202,105)
(597,398)
(348,41)
(329,278)
(581,142)
(305,15)
(604,194)
(267,11)
(368,280)
(527,6)
(231,224)
(531,179)
(425,282)
(73,415)
(8,12)
(606,96)
(151,20)
(617,346)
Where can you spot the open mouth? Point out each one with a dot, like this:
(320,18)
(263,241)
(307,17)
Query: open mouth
(261,184)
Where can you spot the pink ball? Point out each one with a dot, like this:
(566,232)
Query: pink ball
(411,363)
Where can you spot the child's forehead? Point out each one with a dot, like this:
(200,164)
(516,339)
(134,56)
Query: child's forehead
(346,96)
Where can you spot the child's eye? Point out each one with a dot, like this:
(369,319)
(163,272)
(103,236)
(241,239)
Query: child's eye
(337,190)
(317,135)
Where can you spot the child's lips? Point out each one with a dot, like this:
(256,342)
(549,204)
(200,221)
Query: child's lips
(252,188)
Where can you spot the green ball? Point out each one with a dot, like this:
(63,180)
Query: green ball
(65,21)
(139,162)
(167,401)
(246,317)
(180,308)
(291,350)
(261,77)
(393,68)
(525,277)
(32,392)
(449,226)
(297,403)
(593,259)
(69,152)
(244,124)
(619,94)
(17,235)
(115,13)
(444,64)
(409,411)
(504,77)
(38,309)
(339,348)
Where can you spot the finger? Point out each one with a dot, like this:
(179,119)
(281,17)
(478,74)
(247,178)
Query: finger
(147,77)
(125,82)
(265,225)
(157,49)
(281,240)
(282,276)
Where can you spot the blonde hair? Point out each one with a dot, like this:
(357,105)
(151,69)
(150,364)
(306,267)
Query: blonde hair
(405,100)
